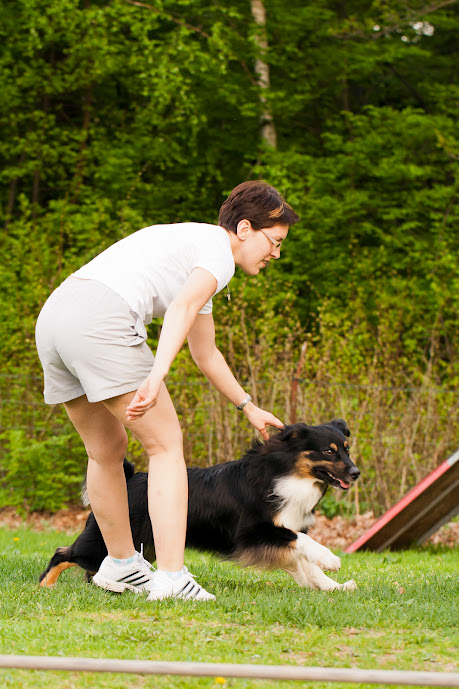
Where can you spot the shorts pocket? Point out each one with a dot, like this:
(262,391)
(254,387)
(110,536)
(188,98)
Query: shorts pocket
(139,330)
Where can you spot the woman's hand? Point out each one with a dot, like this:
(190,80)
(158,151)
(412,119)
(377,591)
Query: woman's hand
(145,398)
(260,419)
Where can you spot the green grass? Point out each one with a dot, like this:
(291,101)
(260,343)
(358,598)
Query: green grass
(403,616)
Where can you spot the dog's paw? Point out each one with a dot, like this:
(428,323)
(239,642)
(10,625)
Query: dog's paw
(325,559)
(334,586)
(329,562)
(349,585)
(318,554)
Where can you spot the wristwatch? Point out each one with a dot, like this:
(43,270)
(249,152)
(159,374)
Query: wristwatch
(243,403)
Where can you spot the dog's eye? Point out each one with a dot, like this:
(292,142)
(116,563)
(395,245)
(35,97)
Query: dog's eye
(329,451)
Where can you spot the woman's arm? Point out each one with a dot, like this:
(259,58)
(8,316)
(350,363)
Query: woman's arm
(201,341)
(178,320)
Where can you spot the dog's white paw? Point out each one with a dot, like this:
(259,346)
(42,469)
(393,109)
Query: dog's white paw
(318,554)
(324,558)
(329,562)
(349,585)
(334,586)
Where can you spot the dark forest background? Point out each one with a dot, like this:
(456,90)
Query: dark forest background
(120,114)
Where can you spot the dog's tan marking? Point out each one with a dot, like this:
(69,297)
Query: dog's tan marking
(346,444)
(303,465)
(334,447)
(333,468)
(52,576)
(329,465)
(266,557)
(277,519)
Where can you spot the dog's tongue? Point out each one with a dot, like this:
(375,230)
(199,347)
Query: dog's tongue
(343,484)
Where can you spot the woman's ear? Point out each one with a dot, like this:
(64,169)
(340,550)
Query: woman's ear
(243,229)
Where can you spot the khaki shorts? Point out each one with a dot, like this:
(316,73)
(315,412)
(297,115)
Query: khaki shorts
(90,343)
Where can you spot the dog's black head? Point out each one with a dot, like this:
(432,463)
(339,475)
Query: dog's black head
(321,452)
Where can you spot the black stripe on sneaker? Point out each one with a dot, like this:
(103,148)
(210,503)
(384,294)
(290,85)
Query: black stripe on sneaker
(139,581)
(190,590)
(135,578)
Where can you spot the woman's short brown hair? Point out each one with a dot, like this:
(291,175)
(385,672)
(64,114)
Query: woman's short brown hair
(258,202)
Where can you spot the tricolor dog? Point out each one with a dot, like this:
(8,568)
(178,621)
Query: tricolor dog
(256,511)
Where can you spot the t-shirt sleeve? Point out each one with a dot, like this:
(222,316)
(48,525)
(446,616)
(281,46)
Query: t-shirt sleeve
(207,308)
(218,260)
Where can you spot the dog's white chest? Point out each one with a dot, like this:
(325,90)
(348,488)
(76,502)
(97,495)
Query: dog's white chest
(298,498)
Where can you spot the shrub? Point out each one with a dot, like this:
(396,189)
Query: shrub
(40,474)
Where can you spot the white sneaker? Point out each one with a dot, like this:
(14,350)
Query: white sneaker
(162,586)
(137,576)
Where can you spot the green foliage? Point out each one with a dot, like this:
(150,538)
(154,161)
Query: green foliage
(331,505)
(377,233)
(115,116)
(41,474)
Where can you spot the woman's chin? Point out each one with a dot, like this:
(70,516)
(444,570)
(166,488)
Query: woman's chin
(252,270)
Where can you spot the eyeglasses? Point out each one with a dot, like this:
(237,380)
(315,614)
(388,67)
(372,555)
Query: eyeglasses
(277,244)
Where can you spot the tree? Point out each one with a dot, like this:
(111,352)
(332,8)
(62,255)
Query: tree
(268,131)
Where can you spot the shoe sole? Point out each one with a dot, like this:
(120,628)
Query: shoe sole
(115,586)
(164,596)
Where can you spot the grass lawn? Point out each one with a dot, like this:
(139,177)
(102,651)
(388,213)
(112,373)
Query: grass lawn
(403,616)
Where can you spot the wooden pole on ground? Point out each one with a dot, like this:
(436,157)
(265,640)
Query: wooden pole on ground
(274,672)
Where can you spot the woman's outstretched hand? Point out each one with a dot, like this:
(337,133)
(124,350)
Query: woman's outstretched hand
(144,399)
(259,418)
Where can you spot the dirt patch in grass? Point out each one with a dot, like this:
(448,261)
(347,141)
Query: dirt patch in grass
(69,520)
(338,532)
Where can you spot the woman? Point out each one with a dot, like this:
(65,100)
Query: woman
(91,340)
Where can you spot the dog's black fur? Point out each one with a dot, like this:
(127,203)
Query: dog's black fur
(256,510)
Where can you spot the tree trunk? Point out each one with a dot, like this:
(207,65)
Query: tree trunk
(268,131)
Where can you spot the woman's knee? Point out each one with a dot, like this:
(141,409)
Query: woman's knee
(109,450)
(160,444)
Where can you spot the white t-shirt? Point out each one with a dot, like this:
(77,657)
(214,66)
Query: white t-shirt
(149,267)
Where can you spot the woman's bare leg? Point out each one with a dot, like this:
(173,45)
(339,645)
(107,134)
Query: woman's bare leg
(105,440)
(160,435)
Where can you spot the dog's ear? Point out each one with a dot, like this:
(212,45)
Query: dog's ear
(293,431)
(286,433)
(342,425)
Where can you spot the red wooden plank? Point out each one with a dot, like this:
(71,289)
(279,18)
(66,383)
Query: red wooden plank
(417,515)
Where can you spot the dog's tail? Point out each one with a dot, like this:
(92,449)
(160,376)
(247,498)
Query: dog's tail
(129,471)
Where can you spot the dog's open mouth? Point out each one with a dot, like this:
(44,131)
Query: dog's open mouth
(325,476)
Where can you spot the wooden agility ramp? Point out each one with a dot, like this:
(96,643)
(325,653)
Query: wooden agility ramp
(429,505)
